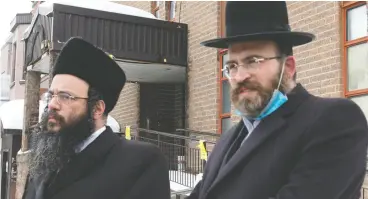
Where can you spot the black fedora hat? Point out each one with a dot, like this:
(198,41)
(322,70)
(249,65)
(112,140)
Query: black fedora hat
(258,20)
(91,64)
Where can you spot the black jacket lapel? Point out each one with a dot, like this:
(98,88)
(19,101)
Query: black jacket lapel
(34,189)
(264,130)
(85,162)
(219,153)
(268,126)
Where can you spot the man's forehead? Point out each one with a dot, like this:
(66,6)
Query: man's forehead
(65,82)
(253,46)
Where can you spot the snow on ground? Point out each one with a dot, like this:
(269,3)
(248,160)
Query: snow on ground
(106,6)
(177,187)
(185,178)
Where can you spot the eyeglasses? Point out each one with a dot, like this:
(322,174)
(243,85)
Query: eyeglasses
(251,63)
(61,98)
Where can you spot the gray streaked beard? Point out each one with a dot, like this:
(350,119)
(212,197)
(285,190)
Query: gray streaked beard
(51,151)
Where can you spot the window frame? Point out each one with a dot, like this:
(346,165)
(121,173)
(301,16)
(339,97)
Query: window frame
(155,8)
(14,62)
(222,80)
(345,6)
(169,11)
(221,53)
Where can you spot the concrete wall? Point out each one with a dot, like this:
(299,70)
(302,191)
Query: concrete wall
(5,51)
(17,87)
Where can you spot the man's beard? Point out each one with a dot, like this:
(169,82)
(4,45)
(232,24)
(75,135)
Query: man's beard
(252,107)
(51,151)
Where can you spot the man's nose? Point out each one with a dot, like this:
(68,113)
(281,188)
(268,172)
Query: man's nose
(53,104)
(241,76)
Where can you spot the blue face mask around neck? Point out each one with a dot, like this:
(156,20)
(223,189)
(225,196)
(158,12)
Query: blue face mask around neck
(276,101)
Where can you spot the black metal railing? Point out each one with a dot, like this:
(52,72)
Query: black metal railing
(181,150)
(183,154)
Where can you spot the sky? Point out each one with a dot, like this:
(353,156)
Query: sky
(8,10)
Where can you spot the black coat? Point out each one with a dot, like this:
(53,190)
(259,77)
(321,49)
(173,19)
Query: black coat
(109,168)
(310,148)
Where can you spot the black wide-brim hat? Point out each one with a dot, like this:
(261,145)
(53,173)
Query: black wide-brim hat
(89,63)
(258,20)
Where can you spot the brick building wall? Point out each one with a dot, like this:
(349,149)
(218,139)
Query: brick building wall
(202,19)
(318,63)
(126,111)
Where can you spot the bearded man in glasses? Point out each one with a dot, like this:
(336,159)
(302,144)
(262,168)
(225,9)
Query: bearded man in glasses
(289,144)
(74,154)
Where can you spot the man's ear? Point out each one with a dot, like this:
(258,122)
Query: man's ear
(290,67)
(99,109)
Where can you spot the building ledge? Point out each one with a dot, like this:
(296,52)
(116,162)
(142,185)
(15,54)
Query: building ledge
(20,18)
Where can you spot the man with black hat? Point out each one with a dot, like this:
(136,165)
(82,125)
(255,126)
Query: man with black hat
(289,144)
(74,154)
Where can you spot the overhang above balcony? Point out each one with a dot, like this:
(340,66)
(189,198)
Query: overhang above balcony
(148,49)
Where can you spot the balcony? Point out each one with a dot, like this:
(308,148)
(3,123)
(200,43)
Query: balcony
(148,49)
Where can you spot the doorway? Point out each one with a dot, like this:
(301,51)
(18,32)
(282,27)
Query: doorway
(162,108)
(5,174)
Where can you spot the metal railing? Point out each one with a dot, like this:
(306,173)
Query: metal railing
(183,154)
(181,148)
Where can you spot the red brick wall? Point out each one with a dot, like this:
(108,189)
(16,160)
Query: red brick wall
(319,63)
(202,19)
(126,111)
(144,5)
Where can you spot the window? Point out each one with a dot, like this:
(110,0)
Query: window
(9,62)
(225,101)
(14,58)
(171,10)
(355,51)
(155,6)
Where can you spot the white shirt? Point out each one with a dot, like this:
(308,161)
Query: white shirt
(89,140)
(250,127)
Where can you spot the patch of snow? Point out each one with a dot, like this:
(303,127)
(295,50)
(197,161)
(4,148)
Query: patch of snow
(198,178)
(185,178)
(106,6)
(180,176)
(177,187)
(113,124)
(20,152)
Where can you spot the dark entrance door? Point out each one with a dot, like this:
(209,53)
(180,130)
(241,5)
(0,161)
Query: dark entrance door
(162,109)
(5,174)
